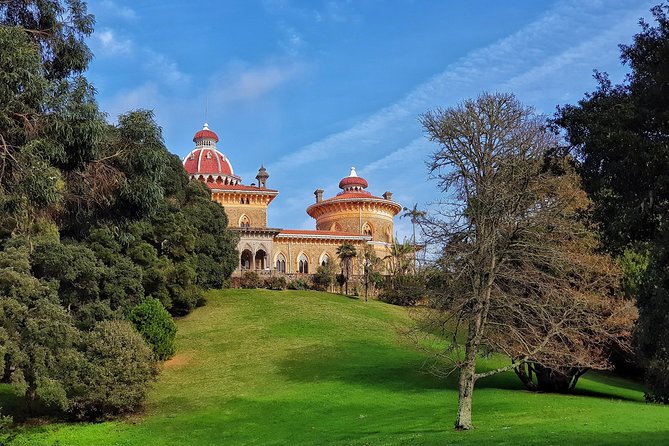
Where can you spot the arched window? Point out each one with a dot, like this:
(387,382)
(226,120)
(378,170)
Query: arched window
(244,222)
(335,227)
(303,264)
(325,259)
(367,229)
(281,263)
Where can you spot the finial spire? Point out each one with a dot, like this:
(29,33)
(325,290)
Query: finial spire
(205,127)
(353,174)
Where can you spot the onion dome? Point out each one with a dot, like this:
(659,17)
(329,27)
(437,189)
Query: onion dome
(353,183)
(205,133)
(206,163)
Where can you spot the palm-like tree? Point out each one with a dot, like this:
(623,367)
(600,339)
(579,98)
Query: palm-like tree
(415,215)
(399,258)
(346,253)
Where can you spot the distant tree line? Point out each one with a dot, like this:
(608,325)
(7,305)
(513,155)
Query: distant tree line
(102,236)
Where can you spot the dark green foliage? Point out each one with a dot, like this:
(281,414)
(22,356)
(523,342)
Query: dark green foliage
(119,370)
(38,339)
(73,267)
(299,284)
(404,290)
(59,29)
(155,324)
(620,133)
(93,218)
(325,276)
(251,279)
(634,263)
(214,244)
(276,283)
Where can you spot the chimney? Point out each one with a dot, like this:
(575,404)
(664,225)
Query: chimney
(319,195)
(262,177)
(388,195)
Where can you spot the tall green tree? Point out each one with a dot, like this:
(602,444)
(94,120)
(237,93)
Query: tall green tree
(102,215)
(620,133)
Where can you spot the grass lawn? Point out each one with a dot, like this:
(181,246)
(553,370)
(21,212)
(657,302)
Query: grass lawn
(291,367)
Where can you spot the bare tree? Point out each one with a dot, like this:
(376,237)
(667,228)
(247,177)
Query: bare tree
(520,275)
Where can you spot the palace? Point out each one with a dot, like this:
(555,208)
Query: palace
(353,216)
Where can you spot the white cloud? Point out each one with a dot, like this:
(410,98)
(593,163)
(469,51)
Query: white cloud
(165,70)
(246,84)
(110,44)
(114,9)
(292,42)
(145,96)
(525,58)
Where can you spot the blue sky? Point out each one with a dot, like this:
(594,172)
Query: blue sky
(311,88)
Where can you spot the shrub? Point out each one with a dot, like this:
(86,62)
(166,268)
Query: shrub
(119,370)
(156,326)
(324,277)
(276,283)
(251,279)
(5,422)
(404,290)
(299,284)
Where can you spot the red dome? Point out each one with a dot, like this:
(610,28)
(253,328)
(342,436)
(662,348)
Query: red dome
(205,133)
(353,181)
(207,161)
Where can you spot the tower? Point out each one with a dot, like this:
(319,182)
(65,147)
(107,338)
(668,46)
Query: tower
(355,210)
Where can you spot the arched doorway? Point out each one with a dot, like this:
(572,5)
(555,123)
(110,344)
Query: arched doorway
(246,259)
(261,259)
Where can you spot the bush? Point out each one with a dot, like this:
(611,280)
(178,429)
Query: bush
(120,367)
(324,277)
(156,326)
(404,290)
(299,284)
(5,422)
(251,279)
(276,283)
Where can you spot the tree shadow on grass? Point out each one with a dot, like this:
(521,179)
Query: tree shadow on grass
(385,365)
(368,364)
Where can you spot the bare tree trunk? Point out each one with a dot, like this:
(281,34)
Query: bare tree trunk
(468,373)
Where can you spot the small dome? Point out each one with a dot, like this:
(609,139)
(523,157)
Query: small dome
(205,133)
(353,181)
(207,161)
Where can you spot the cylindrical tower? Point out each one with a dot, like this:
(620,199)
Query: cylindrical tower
(355,210)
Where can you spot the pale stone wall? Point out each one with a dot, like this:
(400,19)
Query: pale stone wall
(257,215)
(354,221)
(314,249)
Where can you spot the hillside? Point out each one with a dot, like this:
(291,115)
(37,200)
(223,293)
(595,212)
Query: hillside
(271,367)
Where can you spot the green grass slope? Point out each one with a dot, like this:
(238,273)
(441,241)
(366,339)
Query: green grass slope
(305,368)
